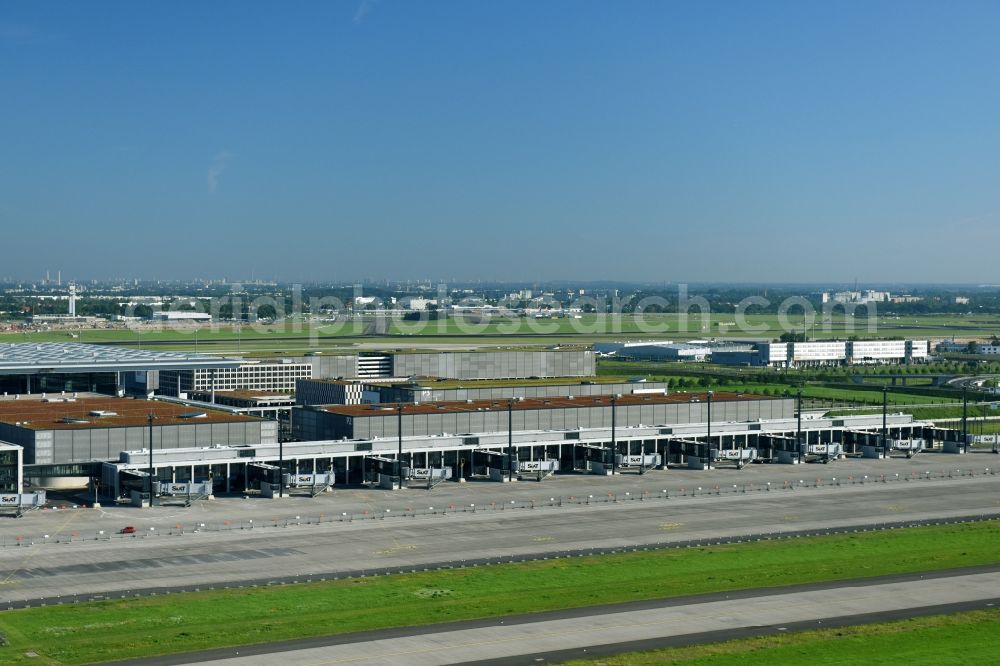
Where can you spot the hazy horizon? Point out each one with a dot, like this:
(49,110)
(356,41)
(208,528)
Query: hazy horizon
(769,143)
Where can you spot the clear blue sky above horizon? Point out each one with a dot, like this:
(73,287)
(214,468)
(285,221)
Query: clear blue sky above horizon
(463,139)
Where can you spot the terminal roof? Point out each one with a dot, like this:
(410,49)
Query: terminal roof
(66,413)
(534,403)
(21,358)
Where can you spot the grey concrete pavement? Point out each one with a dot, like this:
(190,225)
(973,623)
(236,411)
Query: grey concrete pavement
(303,551)
(235,511)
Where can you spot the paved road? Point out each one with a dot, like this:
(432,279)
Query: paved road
(299,552)
(615,630)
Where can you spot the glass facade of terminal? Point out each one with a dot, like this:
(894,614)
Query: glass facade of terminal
(8,472)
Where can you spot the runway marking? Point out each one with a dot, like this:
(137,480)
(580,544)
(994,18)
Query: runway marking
(20,566)
(670,526)
(392,550)
(542,538)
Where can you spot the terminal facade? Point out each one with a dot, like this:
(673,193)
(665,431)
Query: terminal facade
(502,456)
(478,416)
(347,392)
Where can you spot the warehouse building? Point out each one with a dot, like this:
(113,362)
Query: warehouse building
(479,416)
(345,392)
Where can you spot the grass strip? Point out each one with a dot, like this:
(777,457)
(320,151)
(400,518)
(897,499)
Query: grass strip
(109,630)
(959,638)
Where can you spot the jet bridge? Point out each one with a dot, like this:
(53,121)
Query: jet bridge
(823,453)
(16,504)
(695,453)
(540,469)
(312,484)
(387,472)
(259,472)
(431,476)
(498,465)
(737,458)
(950,438)
(581,457)
(184,493)
(781,449)
(910,447)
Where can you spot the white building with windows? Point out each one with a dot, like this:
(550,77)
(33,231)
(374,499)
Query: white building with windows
(250,375)
(841,352)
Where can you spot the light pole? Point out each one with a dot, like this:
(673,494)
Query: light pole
(708,438)
(965,416)
(885,417)
(399,444)
(798,426)
(614,440)
(149,419)
(510,439)
(281,458)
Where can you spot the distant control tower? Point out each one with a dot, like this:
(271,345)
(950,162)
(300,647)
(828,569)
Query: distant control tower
(72,300)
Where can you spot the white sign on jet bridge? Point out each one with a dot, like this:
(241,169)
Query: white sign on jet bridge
(536,465)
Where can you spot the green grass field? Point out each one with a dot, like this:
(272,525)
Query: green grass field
(292,336)
(103,631)
(942,640)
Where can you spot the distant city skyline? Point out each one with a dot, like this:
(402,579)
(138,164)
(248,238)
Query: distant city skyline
(770,142)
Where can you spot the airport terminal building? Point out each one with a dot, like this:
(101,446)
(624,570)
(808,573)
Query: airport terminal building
(506,364)
(495,455)
(347,392)
(557,413)
(250,375)
(60,430)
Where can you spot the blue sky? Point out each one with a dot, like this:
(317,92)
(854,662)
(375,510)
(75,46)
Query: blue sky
(777,141)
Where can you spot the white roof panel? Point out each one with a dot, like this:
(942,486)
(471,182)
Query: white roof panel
(64,357)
